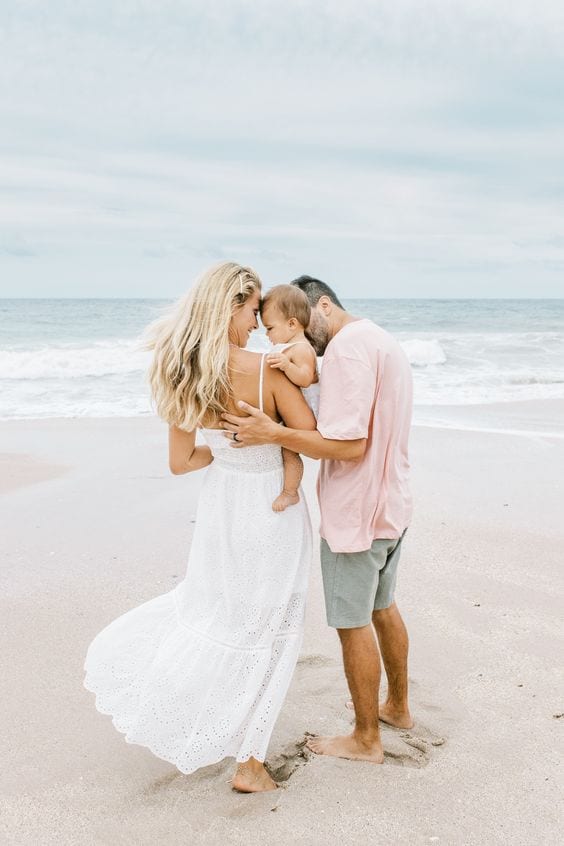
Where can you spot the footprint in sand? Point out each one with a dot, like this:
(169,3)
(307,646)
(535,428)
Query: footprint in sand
(285,763)
(411,748)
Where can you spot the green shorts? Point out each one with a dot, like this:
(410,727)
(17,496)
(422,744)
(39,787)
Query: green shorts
(358,583)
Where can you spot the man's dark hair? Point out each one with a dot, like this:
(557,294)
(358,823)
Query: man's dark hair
(314,289)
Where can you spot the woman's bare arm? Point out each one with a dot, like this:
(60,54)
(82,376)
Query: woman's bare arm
(183,454)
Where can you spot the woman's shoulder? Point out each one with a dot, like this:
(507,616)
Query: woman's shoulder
(247,355)
(245,361)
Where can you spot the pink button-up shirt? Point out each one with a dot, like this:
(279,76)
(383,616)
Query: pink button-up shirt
(366,392)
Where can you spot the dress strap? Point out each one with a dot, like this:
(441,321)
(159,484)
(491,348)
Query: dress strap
(261,378)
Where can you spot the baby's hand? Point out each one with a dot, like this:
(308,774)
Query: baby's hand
(278,361)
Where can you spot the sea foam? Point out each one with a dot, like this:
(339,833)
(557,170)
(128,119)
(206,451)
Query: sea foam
(69,358)
(68,361)
(421,353)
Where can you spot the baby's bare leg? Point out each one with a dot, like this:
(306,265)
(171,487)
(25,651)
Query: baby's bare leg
(293,472)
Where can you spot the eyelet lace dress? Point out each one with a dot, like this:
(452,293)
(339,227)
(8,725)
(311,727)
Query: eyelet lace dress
(200,673)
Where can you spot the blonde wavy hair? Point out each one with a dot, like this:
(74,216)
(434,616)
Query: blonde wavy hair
(189,374)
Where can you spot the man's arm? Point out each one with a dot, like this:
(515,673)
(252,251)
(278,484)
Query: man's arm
(258,428)
(314,445)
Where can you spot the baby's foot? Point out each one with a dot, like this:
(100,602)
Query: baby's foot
(285,499)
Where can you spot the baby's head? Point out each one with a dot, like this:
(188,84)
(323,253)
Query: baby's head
(284,311)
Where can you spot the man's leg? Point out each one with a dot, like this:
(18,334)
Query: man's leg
(394,646)
(362,669)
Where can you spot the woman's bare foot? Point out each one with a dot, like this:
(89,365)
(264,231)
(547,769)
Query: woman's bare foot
(285,499)
(389,715)
(252,777)
(347,746)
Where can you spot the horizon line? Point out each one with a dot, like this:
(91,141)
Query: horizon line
(345,299)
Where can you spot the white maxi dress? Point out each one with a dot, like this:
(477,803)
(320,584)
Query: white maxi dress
(200,673)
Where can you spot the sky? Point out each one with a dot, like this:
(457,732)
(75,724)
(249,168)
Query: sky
(412,148)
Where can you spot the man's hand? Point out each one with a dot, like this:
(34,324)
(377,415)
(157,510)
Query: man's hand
(278,361)
(255,430)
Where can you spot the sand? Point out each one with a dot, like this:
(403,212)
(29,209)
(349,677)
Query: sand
(100,525)
(20,469)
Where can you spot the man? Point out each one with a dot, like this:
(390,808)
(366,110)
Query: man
(362,441)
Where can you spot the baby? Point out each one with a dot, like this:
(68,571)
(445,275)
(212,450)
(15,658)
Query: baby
(285,313)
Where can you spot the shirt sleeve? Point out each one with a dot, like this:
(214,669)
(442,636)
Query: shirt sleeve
(348,388)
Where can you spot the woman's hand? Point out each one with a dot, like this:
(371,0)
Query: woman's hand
(255,430)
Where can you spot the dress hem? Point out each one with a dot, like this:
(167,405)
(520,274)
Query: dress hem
(238,757)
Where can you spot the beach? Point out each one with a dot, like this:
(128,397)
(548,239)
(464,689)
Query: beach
(93,524)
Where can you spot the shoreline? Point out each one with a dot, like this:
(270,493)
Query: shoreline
(544,418)
(486,430)
(530,418)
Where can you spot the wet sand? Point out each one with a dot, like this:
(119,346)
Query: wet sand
(480,588)
(17,470)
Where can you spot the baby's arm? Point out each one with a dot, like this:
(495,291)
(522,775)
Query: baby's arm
(299,364)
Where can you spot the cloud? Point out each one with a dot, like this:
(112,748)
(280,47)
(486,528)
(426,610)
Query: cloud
(426,139)
(16,248)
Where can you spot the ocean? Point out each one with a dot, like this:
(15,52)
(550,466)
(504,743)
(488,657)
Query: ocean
(83,358)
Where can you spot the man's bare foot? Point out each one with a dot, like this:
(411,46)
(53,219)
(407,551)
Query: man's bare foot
(347,746)
(285,499)
(252,777)
(393,717)
(390,716)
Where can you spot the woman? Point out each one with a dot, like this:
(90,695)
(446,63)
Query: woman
(200,673)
